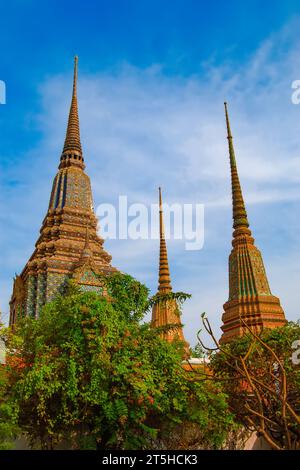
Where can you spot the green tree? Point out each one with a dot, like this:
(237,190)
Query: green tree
(89,372)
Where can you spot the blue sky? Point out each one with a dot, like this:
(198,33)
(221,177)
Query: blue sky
(153,76)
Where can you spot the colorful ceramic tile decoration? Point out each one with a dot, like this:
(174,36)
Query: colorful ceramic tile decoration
(68,245)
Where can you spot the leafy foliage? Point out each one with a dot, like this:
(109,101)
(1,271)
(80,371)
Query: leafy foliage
(89,374)
(8,426)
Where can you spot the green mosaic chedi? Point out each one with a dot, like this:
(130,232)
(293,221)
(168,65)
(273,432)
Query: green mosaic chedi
(68,245)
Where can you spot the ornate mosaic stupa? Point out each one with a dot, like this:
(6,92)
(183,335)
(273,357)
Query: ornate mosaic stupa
(166,312)
(250,297)
(68,245)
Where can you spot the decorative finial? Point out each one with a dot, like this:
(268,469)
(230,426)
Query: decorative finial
(240,219)
(164,280)
(86,252)
(75,75)
(161,221)
(72,151)
(229,135)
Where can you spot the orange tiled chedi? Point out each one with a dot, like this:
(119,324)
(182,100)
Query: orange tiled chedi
(68,245)
(166,312)
(250,297)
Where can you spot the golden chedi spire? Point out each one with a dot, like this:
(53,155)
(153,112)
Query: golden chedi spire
(240,219)
(164,280)
(166,312)
(72,151)
(250,299)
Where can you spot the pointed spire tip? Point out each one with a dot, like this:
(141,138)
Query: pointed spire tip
(239,211)
(164,280)
(160,197)
(72,139)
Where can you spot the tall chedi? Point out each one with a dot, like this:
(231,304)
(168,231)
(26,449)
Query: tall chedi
(68,245)
(165,311)
(250,297)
